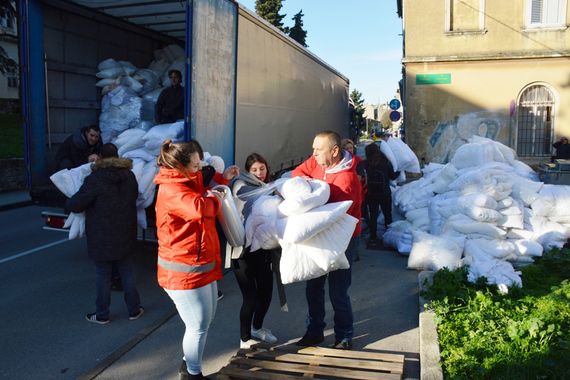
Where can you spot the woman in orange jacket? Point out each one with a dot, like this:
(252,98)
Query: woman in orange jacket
(189,261)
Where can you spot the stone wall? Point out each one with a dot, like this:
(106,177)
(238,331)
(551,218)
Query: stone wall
(12,174)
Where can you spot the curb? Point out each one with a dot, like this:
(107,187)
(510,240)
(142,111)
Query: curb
(430,367)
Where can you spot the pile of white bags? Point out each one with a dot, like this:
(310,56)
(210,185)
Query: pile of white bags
(489,199)
(130,93)
(312,233)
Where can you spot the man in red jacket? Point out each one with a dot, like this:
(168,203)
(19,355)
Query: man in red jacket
(333,165)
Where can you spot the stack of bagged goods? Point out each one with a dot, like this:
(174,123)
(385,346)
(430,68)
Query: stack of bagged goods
(312,233)
(484,209)
(130,93)
(128,117)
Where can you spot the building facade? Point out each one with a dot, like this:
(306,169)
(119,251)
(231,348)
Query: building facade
(9,80)
(499,69)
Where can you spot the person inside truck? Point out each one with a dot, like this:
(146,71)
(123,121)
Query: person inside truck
(189,261)
(80,148)
(170,103)
(109,196)
(562,148)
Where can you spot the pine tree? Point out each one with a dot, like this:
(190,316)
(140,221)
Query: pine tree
(356,97)
(269,10)
(297,32)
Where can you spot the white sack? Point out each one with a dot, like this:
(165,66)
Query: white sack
(300,227)
(431,252)
(298,202)
(318,255)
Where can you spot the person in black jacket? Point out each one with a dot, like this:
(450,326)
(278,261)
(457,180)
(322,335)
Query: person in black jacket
(379,172)
(108,197)
(79,148)
(170,103)
(562,148)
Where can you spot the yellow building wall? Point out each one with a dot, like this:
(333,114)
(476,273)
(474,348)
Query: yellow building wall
(504,33)
(480,99)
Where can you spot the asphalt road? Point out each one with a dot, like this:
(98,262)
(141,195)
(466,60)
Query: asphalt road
(47,286)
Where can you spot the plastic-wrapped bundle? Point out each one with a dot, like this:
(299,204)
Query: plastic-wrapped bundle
(157,134)
(407,160)
(230,218)
(111,73)
(148,79)
(108,64)
(129,68)
(435,252)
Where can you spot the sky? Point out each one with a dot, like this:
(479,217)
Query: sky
(361,39)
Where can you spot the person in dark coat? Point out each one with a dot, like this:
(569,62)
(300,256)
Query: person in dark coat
(379,171)
(562,149)
(170,103)
(108,197)
(79,148)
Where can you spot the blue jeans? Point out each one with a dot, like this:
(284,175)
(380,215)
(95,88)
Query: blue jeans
(197,308)
(339,282)
(104,269)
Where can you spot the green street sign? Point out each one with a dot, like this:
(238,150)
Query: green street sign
(444,78)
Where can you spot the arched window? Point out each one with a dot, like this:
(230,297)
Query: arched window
(535,122)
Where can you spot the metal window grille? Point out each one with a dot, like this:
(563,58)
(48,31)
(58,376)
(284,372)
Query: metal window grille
(535,122)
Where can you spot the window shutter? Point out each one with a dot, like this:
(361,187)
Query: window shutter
(553,12)
(536,12)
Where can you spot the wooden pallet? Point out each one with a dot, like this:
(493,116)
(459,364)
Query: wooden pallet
(292,363)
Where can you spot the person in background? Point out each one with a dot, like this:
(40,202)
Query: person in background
(350,147)
(379,172)
(189,262)
(170,104)
(108,196)
(562,149)
(253,270)
(80,148)
(330,163)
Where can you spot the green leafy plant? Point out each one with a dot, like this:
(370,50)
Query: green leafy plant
(521,335)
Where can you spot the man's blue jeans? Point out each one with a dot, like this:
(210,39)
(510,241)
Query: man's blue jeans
(126,270)
(339,282)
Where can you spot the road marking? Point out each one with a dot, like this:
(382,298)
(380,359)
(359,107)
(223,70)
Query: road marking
(32,251)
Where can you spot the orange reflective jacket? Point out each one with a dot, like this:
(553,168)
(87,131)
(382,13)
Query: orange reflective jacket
(188,245)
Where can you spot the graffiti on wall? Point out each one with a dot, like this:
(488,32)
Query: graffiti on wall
(450,135)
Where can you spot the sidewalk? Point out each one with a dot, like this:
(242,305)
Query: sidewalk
(385,304)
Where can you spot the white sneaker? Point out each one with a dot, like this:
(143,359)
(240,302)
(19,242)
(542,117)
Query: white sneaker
(264,334)
(248,344)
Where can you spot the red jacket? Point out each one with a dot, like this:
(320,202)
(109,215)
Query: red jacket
(188,245)
(343,181)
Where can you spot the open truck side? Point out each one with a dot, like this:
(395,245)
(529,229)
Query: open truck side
(249,88)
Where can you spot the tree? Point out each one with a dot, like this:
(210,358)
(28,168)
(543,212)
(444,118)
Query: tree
(297,32)
(359,119)
(269,10)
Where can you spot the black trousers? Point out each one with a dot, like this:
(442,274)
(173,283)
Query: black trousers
(384,202)
(255,280)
